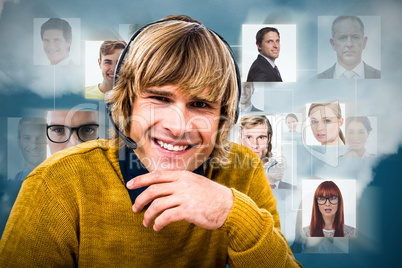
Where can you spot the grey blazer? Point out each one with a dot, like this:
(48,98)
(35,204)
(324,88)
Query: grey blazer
(369,73)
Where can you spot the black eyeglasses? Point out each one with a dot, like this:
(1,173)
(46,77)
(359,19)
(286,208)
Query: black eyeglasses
(321,200)
(61,133)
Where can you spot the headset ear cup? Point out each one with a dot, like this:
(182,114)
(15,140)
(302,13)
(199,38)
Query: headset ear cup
(238,91)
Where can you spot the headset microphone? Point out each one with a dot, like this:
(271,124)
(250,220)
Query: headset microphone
(127,140)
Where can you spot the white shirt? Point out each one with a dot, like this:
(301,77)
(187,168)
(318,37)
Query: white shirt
(66,61)
(248,109)
(358,71)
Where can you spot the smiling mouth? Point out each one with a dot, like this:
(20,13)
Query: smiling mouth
(328,210)
(171,147)
(52,51)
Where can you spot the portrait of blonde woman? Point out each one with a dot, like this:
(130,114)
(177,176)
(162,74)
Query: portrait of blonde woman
(325,121)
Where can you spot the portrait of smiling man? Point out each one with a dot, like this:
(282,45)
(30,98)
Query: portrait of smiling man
(349,42)
(168,189)
(56,41)
(264,68)
(32,144)
(56,35)
(109,53)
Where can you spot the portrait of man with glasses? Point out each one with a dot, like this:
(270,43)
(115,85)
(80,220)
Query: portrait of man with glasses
(66,129)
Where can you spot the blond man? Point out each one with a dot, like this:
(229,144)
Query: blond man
(256,133)
(184,197)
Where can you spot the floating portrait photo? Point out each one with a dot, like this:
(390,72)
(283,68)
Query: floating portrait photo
(361,137)
(57,41)
(92,73)
(68,128)
(26,146)
(251,98)
(282,53)
(328,212)
(324,124)
(292,123)
(349,47)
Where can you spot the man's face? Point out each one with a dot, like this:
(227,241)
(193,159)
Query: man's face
(270,45)
(256,138)
(70,119)
(173,131)
(348,42)
(247,91)
(55,46)
(32,143)
(107,64)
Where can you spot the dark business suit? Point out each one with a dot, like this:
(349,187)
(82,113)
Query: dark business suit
(285,185)
(369,72)
(262,71)
(253,109)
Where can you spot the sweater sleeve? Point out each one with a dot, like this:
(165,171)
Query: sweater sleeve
(253,228)
(40,235)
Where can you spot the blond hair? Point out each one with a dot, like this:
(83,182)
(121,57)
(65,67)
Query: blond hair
(336,108)
(184,54)
(250,121)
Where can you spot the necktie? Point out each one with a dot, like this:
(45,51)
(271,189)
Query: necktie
(348,75)
(273,186)
(277,72)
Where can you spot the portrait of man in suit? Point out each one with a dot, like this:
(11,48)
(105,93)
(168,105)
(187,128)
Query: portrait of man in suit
(263,68)
(348,41)
(247,90)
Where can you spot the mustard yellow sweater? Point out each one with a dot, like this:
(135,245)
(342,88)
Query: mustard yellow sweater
(74,210)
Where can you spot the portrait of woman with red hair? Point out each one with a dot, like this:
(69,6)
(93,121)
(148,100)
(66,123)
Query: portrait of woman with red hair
(327,219)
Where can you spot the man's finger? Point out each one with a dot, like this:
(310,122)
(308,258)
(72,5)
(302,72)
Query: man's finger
(157,207)
(152,192)
(167,217)
(153,178)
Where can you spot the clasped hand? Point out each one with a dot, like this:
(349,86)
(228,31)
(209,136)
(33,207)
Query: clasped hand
(181,195)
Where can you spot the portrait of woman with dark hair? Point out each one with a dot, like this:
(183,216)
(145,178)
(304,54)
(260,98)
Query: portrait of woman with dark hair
(357,132)
(327,218)
(291,122)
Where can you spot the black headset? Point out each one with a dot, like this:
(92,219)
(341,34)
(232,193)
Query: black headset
(127,140)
